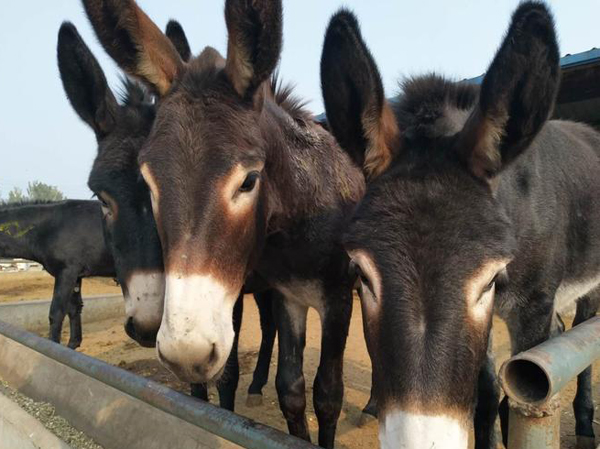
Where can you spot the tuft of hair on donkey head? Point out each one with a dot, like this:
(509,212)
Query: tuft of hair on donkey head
(204,163)
(120,129)
(440,222)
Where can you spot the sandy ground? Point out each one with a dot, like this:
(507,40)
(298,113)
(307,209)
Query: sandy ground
(107,341)
(27,286)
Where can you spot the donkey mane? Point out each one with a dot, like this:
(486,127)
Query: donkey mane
(286,98)
(133,94)
(18,204)
(432,106)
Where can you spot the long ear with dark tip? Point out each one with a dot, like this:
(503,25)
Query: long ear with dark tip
(517,93)
(177,36)
(357,111)
(255,40)
(135,42)
(84,81)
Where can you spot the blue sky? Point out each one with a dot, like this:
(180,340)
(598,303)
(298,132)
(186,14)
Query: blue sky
(42,139)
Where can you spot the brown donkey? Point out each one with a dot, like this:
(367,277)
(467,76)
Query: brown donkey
(242,179)
(475,200)
(127,219)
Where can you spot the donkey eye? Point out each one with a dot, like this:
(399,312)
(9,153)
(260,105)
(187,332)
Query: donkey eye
(104,205)
(490,285)
(364,280)
(106,211)
(250,182)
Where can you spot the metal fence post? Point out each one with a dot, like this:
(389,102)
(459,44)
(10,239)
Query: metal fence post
(533,427)
(534,378)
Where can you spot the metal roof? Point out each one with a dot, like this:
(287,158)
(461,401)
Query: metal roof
(566,62)
(586,57)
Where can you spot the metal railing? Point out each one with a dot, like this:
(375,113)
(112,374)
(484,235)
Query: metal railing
(533,380)
(222,423)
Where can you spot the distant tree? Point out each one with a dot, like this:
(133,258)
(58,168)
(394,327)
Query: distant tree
(16,196)
(38,191)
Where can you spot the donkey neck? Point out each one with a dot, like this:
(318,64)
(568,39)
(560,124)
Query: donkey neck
(19,226)
(15,240)
(12,247)
(307,172)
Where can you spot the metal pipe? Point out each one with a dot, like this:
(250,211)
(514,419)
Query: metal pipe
(532,427)
(223,423)
(535,376)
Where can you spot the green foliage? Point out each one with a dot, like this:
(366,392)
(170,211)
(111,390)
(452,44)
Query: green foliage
(36,191)
(16,196)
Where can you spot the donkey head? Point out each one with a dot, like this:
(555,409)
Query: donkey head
(204,163)
(430,241)
(129,226)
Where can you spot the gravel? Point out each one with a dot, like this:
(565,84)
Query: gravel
(46,414)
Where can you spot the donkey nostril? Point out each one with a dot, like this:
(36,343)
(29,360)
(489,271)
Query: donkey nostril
(214,355)
(130,328)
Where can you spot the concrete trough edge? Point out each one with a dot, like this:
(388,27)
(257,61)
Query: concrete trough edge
(119,409)
(33,315)
(19,429)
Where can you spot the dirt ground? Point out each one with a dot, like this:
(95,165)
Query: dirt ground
(108,341)
(28,285)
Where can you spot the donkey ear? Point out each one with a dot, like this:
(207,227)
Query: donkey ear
(178,38)
(135,42)
(359,116)
(255,40)
(517,93)
(84,81)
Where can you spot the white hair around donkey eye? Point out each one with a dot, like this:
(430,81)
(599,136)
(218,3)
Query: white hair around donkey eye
(480,288)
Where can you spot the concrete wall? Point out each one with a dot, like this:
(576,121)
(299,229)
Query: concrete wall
(112,418)
(33,315)
(18,429)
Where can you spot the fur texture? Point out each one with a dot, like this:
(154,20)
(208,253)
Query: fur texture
(479,176)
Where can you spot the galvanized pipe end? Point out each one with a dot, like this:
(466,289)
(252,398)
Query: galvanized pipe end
(526,381)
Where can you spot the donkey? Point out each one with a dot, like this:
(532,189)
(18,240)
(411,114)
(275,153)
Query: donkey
(66,238)
(475,201)
(242,180)
(128,223)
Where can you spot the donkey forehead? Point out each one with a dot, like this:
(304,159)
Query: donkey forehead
(193,131)
(116,163)
(435,218)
